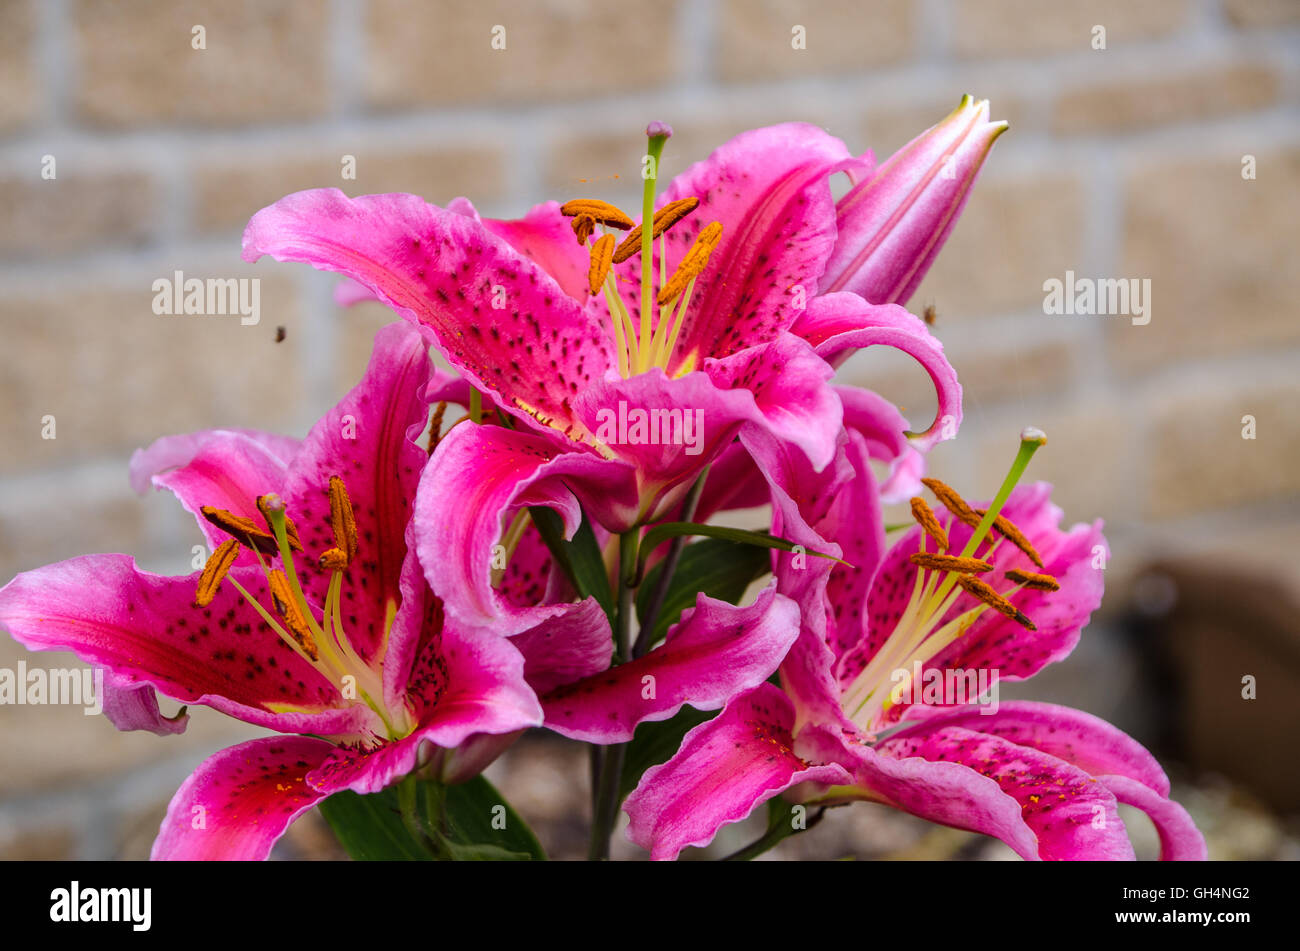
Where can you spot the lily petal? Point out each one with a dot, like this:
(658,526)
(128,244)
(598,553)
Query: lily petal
(369,440)
(239,802)
(470,492)
(713,653)
(1180,840)
(546,237)
(461,685)
(566,648)
(143,627)
(770,189)
(1079,738)
(1071,814)
(134,706)
(723,770)
(171,452)
(883,427)
(495,315)
(837,324)
(222,468)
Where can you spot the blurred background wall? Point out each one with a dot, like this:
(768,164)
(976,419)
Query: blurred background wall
(1122,162)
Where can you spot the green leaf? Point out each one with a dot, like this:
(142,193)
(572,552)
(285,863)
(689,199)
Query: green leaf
(655,743)
(474,808)
(485,853)
(718,567)
(666,530)
(580,557)
(370,828)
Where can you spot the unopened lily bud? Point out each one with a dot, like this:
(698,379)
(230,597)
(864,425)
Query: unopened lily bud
(893,224)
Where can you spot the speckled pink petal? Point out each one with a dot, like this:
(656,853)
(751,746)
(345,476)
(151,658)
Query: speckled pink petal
(368,440)
(723,770)
(1079,738)
(144,628)
(497,317)
(716,651)
(1070,556)
(1071,814)
(770,190)
(546,237)
(239,802)
(994,642)
(788,382)
(459,685)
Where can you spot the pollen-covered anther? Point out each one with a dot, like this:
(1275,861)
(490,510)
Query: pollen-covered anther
(664,218)
(214,571)
(602,257)
(1032,580)
(696,260)
(245,530)
(342,520)
(287,606)
(435,426)
(333,559)
(601,212)
(924,516)
(583,226)
(953,502)
(1008,530)
(979,589)
(965,566)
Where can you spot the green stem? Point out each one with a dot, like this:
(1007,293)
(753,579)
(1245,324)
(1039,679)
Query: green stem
(775,833)
(610,771)
(674,555)
(627,551)
(408,792)
(475,406)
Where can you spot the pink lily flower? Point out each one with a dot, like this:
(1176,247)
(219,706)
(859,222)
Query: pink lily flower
(714,318)
(715,651)
(313,618)
(843,726)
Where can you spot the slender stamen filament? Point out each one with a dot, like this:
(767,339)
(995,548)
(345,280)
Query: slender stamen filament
(942,577)
(510,541)
(649,341)
(321,644)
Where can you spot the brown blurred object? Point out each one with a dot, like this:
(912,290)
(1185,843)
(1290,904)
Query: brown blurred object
(1205,631)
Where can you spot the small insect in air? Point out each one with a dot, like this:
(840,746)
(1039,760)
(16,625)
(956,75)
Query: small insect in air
(928,314)
(279,333)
